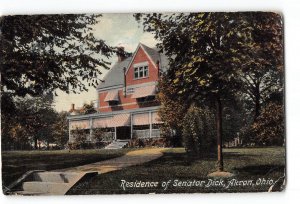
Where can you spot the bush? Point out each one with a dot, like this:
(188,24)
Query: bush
(81,142)
(199,132)
(149,142)
(98,134)
(80,139)
(269,126)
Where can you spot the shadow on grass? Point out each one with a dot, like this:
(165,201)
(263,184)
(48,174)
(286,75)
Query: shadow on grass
(180,159)
(235,155)
(261,169)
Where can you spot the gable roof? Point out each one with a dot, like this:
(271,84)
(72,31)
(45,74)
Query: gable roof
(115,75)
(153,54)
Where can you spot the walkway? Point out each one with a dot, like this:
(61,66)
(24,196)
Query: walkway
(132,158)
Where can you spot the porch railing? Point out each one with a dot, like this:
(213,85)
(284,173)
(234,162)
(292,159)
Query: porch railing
(142,134)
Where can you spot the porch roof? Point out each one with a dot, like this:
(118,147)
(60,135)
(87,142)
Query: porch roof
(141,119)
(102,122)
(120,120)
(155,118)
(82,124)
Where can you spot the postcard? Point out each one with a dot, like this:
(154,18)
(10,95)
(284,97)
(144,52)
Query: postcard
(142,103)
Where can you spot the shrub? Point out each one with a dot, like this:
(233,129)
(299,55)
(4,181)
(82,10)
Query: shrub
(80,139)
(199,132)
(269,126)
(149,142)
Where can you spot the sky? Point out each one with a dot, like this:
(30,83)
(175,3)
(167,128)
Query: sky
(116,30)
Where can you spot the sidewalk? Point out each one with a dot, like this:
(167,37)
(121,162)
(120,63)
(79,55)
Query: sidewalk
(132,158)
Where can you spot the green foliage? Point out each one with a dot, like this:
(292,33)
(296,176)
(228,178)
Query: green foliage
(199,131)
(269,126)
(234,118)
(219,56)
(42,53)
(26,121)
(60,130)
(31,120)
(261,59)
(80,139)
(88,108)
(98,134)
(201,48)
(171,112)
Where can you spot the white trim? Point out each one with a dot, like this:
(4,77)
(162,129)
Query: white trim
(111,113)
(91,129)
(129,86)
(131,126)
(124,104)
(141,64)
(110,88)
(150,124)
(141,68)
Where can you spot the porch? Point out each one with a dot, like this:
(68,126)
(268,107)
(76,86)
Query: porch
(123,126)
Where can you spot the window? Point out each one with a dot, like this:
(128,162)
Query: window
(145,71)
(141,72)
(130,90)
(136,72)
(113,103)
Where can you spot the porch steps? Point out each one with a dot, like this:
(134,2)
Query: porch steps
(118,144)
(49,183)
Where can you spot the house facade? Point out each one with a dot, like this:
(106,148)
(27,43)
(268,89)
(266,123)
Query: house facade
(127,107)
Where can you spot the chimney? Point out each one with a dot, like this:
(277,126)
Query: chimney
(72,107)
(124,70)
(158,69)
(121,54)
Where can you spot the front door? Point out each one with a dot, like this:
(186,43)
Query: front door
(123,133)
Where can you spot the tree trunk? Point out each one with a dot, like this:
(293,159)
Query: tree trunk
(35,143)
(257,103)
(219,133)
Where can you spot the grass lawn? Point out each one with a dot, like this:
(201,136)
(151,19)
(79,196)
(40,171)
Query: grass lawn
(246,163)
(16,163)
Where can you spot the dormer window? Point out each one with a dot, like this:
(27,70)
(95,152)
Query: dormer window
(141,70)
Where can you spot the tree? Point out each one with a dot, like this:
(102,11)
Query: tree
(171,112)
(262,58)
(269,126)
(20,136)
(88,108)
(60,129)
(201,48)
(206,51)
(8,120)
(37,116)
(26,120)
(42,53)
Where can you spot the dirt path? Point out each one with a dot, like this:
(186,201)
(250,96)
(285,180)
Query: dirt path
(130,159)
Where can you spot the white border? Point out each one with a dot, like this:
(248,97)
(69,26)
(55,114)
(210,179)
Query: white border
(291,11)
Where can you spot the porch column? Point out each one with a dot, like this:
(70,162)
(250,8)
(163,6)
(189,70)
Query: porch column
(131,126)
(115,133)
(69,130)
(91,128)
(150,124)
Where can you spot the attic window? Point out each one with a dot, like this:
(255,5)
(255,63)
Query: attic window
(141,72)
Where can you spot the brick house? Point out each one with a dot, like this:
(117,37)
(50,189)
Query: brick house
(126,100)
